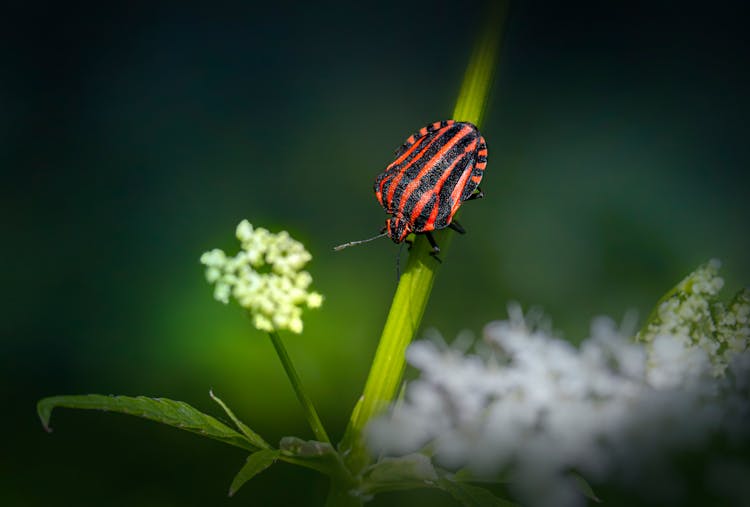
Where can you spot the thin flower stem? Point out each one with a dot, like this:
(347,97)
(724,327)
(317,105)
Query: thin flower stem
(415,285)
(312,416)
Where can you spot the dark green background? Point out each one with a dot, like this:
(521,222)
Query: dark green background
(135,136)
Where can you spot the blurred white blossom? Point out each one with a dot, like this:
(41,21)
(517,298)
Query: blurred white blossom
(613,409)
(265,277)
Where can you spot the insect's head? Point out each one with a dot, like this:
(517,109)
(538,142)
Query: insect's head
(397,228)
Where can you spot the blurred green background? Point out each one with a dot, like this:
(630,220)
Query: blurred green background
(135,136)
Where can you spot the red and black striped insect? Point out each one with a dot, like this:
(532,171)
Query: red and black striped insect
(435,170)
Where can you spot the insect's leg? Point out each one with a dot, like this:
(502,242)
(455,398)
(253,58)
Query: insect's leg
(398,261)
(435,247)
(431,239)
(457,227)
(476,195)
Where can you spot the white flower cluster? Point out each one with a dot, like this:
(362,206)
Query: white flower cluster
(265,277)
(534,406)
(692,313)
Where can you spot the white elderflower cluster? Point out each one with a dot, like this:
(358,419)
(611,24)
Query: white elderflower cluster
(533,405)
(733,324)
(691,312)
(265,277)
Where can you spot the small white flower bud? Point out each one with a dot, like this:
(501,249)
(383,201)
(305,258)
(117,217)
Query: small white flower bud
(221,292)
(212,274)
(295,325)
(214,258)
(314,300)
(244,231)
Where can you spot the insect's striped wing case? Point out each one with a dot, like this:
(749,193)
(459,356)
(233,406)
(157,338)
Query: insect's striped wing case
(435,170)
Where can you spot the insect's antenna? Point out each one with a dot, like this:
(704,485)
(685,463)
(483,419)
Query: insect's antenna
(352,243)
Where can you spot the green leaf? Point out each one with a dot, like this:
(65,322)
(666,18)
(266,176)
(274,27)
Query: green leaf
(174,413)
(472,496)
(584,487)
(406,472)
(466,475)
(253,437)
(255,464)
(417,471)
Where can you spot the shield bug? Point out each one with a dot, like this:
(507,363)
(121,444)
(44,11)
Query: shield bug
(435,170)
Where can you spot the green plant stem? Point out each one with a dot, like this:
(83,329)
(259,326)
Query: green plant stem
(415,285)
(480,72)
(339,495)
(312,416)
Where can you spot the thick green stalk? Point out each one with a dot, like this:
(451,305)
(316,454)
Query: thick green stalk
(340,495)
(312,416)
(415,285)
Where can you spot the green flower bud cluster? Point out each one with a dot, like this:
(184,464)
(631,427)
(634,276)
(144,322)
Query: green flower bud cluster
(692,311)
(265,277)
